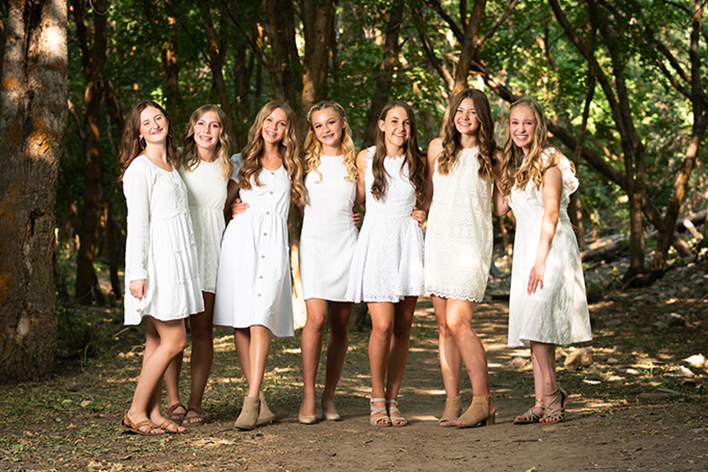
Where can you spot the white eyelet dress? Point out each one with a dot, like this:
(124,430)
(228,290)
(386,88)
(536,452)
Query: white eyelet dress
(388,259)
(160,246)
(328,235)
(459,235)
(206,188)
(254,285)
(558,313)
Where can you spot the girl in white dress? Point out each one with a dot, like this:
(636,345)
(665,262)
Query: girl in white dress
(387,268)
(160,257)
(254,286)
(547,304)
(458,247)
(327,245)
(206,170)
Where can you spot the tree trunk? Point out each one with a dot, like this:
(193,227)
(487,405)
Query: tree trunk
(280,19)
(170,59)
(33,116)
(470,45)
(86,290)
(384,79)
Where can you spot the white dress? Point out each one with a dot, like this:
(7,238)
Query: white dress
(254,286)
(388,259)
(206,188)
(558,313)
(459,235)
(328,234)
(160,246)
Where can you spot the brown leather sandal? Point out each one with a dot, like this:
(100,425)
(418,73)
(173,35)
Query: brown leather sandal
(144,427)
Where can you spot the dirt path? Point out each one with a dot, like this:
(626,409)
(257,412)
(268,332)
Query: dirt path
(71,423)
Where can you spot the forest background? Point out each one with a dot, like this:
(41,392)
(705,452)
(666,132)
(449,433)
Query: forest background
(622,83)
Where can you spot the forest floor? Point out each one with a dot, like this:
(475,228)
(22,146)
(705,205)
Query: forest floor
(640,406)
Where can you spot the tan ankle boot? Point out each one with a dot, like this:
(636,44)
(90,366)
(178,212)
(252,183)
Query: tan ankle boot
(265,416)
(453,409)
(249,414)
(477,413)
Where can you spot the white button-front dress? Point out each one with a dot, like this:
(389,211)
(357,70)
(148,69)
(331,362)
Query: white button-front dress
(160,247)
(254,285)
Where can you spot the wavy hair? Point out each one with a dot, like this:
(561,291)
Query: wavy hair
(130,146)
(190,154)
(485,135)
(289,152)
(414,156)
(517,172)
(313,146)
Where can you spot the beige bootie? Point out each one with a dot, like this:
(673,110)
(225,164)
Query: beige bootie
(249,413)
(265,416)
(477,413)
(453,410)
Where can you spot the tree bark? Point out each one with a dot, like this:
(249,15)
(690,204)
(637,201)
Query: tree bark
(384,79)
(170,59)
(33,116)
(470,45)
(280,18)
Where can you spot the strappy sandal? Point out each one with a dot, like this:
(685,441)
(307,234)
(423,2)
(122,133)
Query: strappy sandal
(531,416)
(194,420)
(375,410)
(170,427)
(554,415)
(144,427)
(393,408)
(176,417)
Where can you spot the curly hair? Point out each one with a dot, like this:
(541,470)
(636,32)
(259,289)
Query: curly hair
(414,156)
(313,146)
(289,151)
(130,146)
(190,153)
(517,172)
(485,134)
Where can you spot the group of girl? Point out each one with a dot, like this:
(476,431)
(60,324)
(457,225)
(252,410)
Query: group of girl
(178,264)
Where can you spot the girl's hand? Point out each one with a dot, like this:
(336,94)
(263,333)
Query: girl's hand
(536,277)
(137,288)
(418,215)
(239,207)
(356,218)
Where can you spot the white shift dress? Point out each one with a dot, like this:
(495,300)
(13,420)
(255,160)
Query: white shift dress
(388,259)
(254,285)
(558,313)
(459,235)
(206,188)
(328,235)
(160,246)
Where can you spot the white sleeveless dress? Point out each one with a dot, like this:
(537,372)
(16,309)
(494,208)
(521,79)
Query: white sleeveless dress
(328,235)
(206,188)
(388,259)
(558,313)
(254,286)
(459,234)
(160,246)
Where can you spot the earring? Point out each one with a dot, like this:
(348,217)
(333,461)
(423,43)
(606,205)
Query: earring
(142,143)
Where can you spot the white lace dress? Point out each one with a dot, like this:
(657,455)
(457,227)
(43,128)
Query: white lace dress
(459,235)
(206,188)
(254,286)
(160,246)
(388,259)
(328,234)
(558,313)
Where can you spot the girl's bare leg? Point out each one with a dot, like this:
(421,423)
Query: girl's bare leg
(450,358)
(383,317)
(202,353)
(311,346)
(340,314)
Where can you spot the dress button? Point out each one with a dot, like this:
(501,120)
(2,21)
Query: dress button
(260,276)
(265,234)
(267,213)
(272,173)
(263,256)
(271,193)
(259,294)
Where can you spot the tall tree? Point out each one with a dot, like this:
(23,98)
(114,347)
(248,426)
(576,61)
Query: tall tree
(280,18)
(33,104)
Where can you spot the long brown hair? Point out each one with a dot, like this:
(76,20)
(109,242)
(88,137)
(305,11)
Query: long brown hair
(289,151)
(516,171)
(414,156)
(190,154)
(130,146)
(313,146)
(485,134)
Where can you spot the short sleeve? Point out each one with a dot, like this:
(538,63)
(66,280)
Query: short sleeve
(137,189)
(570,181)
(237,159)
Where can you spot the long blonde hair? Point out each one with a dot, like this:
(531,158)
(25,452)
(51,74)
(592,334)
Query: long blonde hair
(190,154)
(313,146)
(289,151)
(485,135)
(414,156)
(131,145)
(515,171)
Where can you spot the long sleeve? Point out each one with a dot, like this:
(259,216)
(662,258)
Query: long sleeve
(137,189)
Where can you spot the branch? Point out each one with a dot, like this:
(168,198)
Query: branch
(182,23)
(255,47)
(448,19)
(494,28)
